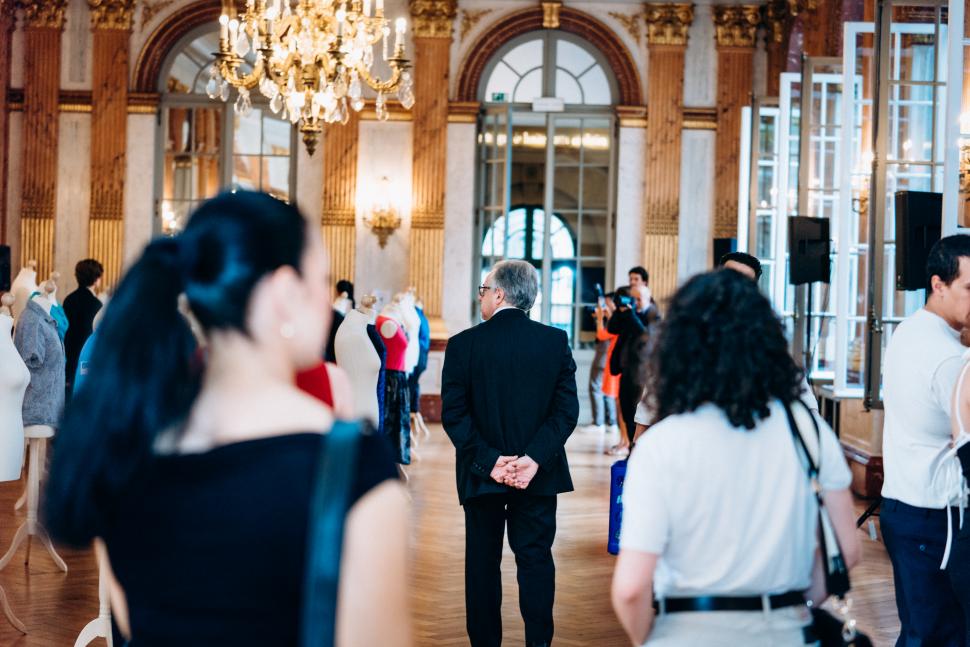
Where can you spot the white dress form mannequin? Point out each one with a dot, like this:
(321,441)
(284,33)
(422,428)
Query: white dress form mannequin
(37,437)
(23,286)
(357,356)
(14,378)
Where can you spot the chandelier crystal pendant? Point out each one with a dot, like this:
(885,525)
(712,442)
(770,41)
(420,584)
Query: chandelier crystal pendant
(310,58)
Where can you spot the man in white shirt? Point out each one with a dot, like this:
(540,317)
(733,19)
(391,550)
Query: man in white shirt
(923,362)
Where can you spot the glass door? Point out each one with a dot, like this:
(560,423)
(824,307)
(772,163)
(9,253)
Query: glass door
(545,195)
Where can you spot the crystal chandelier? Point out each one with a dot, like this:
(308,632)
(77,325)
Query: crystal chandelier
(310,58)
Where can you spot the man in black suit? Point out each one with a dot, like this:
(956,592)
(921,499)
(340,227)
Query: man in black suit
(81,306)
(509,404)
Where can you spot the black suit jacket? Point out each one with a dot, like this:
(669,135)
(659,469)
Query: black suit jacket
(509,389)
(80,306)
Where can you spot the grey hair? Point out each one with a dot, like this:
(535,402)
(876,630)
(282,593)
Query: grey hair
(519,281)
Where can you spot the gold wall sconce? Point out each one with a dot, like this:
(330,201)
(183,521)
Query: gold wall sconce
(384,219)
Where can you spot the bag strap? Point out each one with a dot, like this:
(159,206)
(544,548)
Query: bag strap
(325,533)
(831,551)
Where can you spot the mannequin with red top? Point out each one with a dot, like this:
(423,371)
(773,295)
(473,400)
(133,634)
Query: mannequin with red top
(397,408)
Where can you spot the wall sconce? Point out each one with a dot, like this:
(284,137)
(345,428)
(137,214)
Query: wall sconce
(384,218)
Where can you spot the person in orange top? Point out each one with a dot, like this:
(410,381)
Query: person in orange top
(609,384)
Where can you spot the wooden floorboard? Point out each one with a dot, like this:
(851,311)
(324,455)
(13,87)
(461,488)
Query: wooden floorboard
(55,606)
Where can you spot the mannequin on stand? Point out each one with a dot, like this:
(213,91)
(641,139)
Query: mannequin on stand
(397,409)
(412,327)
(359,360)
(41,349)
(414,380)
(14,378)
(22,287)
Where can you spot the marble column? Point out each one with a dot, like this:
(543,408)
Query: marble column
(111,24)
(139,211)
(432,23)
(459,228)
(43,25)
(735,30)
(667,27)
(340,151)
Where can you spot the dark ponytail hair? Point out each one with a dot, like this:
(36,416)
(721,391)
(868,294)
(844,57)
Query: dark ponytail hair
(144,375)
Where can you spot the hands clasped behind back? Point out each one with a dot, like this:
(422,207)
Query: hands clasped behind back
(514,471)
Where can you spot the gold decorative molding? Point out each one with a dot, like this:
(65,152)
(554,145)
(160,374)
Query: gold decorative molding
(339,217)
(433,18)
(779,13)
(662,226)
(632,116)
(463,112)
(427,219)
(112,14)
(44,14)
(668,24)
(151,9)
(700,119)
(736,25)
(470,18)
(550,14)
(630,22)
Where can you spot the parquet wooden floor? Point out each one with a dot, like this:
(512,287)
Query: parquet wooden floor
(55,606)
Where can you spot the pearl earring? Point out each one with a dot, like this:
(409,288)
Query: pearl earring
(287,331)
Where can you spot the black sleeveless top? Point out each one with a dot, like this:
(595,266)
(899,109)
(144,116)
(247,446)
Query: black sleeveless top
(210,548)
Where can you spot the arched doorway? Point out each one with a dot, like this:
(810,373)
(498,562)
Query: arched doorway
(546,180)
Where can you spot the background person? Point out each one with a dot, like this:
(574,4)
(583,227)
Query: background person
(81,306)
(747,525)
(509,404)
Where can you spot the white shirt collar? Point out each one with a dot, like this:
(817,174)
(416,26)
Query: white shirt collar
(503,307)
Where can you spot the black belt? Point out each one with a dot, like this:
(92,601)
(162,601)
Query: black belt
(725,603)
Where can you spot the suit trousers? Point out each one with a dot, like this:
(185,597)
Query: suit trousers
(531,523)
(929,610)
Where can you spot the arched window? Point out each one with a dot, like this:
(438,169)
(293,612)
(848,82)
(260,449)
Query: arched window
(206,146)
(546,65)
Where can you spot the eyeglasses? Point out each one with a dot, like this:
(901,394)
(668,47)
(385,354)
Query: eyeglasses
(482,289)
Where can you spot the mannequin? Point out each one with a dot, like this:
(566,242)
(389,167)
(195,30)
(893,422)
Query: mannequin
(377,342)
(412,325)
(397,409)
(41,349)
(14,378)
(357,356)
(23,286)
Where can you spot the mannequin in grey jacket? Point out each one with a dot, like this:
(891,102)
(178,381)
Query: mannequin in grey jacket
(41,349)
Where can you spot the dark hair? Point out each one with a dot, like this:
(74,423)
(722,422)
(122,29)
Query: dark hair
(343,285)
(143,376)
(721,343)
(944,259)
(87,272)
(642,272)
(744,259)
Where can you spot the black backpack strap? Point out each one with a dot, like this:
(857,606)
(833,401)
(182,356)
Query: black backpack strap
(325,533)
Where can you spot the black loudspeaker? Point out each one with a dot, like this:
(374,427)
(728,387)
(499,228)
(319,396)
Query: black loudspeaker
(809,246)
(4,268)
(723,246)
(919,218)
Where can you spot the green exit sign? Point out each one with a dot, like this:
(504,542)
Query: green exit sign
(498,96)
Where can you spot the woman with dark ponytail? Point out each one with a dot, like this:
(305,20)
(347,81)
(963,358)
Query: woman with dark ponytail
(195,477)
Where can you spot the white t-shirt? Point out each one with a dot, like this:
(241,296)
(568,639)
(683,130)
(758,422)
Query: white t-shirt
(923,362)
(729,511)
(644,415)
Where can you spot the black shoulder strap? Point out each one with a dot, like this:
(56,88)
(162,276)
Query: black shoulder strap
(813,467)
(325,533)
